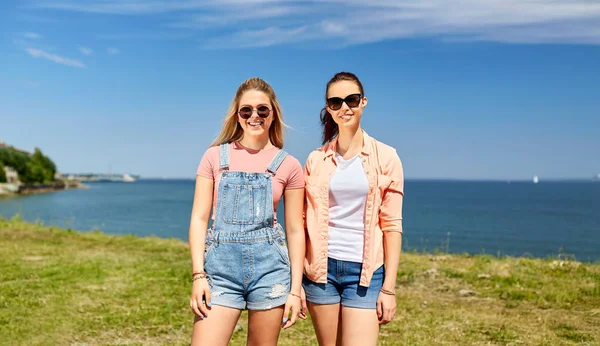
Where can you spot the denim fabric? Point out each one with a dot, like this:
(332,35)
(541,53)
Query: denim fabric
(246,255)
(343,287)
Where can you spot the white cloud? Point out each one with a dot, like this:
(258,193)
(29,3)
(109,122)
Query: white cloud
(259,38)
(155,36)
(37,53)
(141,7)
(347,22)
(85,51)
(113,51)
(32,35)
(244,14)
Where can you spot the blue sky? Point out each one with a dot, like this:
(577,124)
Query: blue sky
(488,89)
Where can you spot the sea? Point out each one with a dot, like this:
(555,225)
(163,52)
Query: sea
(558,219)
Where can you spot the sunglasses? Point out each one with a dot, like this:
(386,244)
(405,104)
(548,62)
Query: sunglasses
(352,101)
(246,112)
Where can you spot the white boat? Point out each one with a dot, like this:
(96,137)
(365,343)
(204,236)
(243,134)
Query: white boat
(535,179)
(128,178)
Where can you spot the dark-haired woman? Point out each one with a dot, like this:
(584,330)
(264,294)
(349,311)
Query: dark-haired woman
(353,210)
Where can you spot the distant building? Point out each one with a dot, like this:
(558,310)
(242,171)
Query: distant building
(12,177)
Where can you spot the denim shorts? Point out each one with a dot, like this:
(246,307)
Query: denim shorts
(342,286)
(248,270)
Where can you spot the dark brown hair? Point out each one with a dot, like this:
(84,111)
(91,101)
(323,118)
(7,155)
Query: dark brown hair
(330,128)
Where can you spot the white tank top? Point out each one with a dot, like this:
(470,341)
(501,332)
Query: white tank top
(348,189)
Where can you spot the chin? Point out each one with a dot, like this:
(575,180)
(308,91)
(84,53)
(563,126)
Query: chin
(256,132)
(350,123)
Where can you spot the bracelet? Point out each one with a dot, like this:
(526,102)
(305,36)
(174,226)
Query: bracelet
(390,293)
(295,295)
(199,275)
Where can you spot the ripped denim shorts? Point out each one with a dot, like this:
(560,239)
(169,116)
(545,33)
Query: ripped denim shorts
(248,270)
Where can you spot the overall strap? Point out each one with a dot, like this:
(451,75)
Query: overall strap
(224,156)
(277,161)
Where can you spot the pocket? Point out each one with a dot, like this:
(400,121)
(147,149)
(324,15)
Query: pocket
(281,246)
(283,251)
(243,204)
(209,247)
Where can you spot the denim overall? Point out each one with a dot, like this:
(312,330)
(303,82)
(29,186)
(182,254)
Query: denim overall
(246,255)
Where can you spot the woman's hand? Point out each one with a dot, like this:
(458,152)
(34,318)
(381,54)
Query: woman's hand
(293,305)
(200,300)
(386,307)
(304,309)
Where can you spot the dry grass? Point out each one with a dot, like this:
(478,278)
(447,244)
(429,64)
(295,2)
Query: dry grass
(59,287)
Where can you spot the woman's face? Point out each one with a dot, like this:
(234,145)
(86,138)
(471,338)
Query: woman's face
(345,103)
(253,104)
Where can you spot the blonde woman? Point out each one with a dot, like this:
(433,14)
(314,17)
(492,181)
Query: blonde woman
(242,261)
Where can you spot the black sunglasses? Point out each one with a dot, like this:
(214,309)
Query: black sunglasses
(246,112)
(352,101)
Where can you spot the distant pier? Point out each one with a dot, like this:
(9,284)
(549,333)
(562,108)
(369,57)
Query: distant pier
(126,178)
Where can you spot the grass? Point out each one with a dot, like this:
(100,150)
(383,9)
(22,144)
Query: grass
(62,287)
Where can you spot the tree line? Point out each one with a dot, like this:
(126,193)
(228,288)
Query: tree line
(32,168)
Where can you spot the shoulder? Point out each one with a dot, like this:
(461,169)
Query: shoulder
(291,162)
(209,162)
(384,148)
(213,150)
(317,153)
(291,172)
(384,151)
(212,153)
(388,159)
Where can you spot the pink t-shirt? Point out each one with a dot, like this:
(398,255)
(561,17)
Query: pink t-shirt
(289,175)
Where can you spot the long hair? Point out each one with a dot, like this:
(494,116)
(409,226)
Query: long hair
(330,128)
(232,131)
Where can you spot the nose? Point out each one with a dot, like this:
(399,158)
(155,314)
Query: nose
(345,106)
(254,114)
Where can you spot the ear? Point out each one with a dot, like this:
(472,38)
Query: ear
(364,101)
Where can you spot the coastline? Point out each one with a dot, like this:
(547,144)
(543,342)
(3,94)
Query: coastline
(95,288)
(30,189)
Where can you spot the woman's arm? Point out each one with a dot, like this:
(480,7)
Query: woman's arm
(392,246)
(390,218)
(294,204)
(294,224)
(203,199)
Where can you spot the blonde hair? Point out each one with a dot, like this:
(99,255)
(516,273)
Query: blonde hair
(232,131)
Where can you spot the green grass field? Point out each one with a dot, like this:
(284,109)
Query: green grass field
(62,287)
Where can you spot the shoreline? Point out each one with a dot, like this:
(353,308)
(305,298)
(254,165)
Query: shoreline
(414,249)
(34,189)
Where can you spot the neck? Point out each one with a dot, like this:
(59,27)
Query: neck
(349,141)
(256,143)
